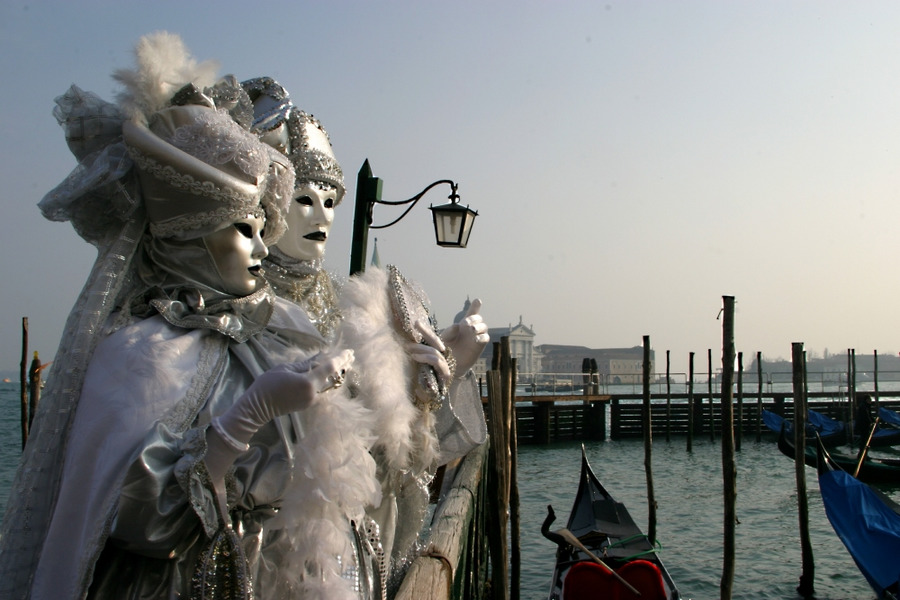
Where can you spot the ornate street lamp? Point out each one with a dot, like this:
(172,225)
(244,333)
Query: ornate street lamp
(452,221)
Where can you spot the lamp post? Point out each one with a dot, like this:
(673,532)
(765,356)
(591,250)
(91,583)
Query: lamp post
(452,221)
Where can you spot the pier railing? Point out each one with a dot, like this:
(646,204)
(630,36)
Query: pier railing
(549,384)
(554,418)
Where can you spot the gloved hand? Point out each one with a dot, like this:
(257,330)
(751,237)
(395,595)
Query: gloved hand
(467,338)
(279,391)
(430,351)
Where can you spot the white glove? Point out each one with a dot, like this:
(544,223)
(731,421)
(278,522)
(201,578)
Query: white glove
(279,391)
(430,351)
(467,338)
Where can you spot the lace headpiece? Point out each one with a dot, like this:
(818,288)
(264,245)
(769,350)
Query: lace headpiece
(198,164)
(294,132)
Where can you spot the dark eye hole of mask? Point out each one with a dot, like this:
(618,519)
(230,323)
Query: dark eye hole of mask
(244,229)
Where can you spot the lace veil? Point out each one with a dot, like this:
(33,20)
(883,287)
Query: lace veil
(100,199)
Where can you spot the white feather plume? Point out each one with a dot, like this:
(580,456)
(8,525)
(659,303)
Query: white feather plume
(405,435)
(163,66)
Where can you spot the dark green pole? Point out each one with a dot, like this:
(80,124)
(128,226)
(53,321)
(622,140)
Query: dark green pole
(368,192)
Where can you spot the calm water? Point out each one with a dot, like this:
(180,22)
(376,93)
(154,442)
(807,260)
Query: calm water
(688,490)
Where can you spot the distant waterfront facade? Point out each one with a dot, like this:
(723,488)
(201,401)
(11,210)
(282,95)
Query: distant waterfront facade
(614,365)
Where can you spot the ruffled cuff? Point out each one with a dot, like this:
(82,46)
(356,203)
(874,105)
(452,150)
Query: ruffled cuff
(194,478)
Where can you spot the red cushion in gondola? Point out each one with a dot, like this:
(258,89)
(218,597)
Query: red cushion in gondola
(588,581)
(645,577)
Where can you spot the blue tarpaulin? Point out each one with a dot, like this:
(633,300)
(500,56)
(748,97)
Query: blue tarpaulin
(869,527)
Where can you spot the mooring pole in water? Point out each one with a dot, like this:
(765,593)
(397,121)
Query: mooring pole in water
(875,370)
(499,479)
(798,360)
(759,390)
(848,414)
(648,443)
(34,387)
(740,402)
(509,368)
(729,479)
(668,399)
(709,389)
(690,435)
(853,389)
(23,380)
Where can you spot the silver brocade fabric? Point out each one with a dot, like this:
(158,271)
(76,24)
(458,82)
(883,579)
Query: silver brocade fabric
(307,284)
(158,538)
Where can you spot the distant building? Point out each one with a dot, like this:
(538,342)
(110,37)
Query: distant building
(617,365)
(521,345)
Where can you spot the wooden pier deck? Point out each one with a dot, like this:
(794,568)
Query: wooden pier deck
(547,419)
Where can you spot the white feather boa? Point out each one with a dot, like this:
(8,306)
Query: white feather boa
(405,438)
(333,482)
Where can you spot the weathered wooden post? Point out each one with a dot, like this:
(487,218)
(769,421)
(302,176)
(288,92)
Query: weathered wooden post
(503,488)
(690,432)
(509,368)
(22,381)
(648,442)
(740,402)
(848,414)
(34,387)
(668,400)
(498,482)
(542,422)
(759,393)
(729,477)
(586,375)
(709,387)
(807,577)
(853,390)
(875,370)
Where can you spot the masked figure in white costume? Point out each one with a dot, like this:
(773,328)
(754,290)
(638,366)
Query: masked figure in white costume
(426,409)
(294,266)
(186,399)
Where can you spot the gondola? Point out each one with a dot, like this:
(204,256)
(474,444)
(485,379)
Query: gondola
(873,470)
(889,417)
(867,521)
(832,432)
(600,526)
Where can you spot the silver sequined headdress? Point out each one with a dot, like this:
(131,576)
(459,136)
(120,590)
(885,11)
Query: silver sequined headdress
(294,132)
(198,163)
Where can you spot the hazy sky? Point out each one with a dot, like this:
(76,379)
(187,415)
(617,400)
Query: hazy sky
(632,162)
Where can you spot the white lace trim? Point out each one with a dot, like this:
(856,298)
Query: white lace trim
(187,183)
(195,221)
(216,139)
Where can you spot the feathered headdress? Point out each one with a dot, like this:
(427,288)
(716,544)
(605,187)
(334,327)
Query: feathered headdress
(164,66)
